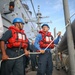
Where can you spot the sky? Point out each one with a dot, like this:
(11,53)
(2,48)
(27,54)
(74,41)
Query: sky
(53,9)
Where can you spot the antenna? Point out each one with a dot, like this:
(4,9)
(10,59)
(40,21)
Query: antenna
(37,20)
(39,17)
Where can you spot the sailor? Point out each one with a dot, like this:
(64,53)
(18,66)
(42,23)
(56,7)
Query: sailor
(16,42)
(43,39)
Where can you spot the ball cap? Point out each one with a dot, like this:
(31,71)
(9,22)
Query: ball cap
(45,25)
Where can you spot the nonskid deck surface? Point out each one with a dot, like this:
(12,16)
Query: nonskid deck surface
(55,72)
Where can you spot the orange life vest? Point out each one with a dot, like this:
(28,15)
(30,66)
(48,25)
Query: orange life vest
(18,38)
(47,38)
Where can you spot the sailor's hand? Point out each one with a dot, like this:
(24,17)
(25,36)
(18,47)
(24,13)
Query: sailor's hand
(26,53)
(59,33)
(4,57)
(42,51)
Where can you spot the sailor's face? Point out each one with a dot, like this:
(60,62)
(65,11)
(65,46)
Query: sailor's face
(45,28)
(21,26)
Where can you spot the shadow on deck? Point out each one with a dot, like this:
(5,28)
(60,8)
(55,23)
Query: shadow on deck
(55,72)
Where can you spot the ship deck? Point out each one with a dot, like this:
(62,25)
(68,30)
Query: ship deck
(55,72)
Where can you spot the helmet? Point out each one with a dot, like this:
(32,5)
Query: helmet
(19,20)
(45,25)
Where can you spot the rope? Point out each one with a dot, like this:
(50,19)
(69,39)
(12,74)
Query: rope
(14,58)
(23,55)
(45,48)
(55,38)
(33,52)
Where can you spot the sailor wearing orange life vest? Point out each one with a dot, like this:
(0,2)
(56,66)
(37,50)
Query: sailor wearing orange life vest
(17,43)
(43,39)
